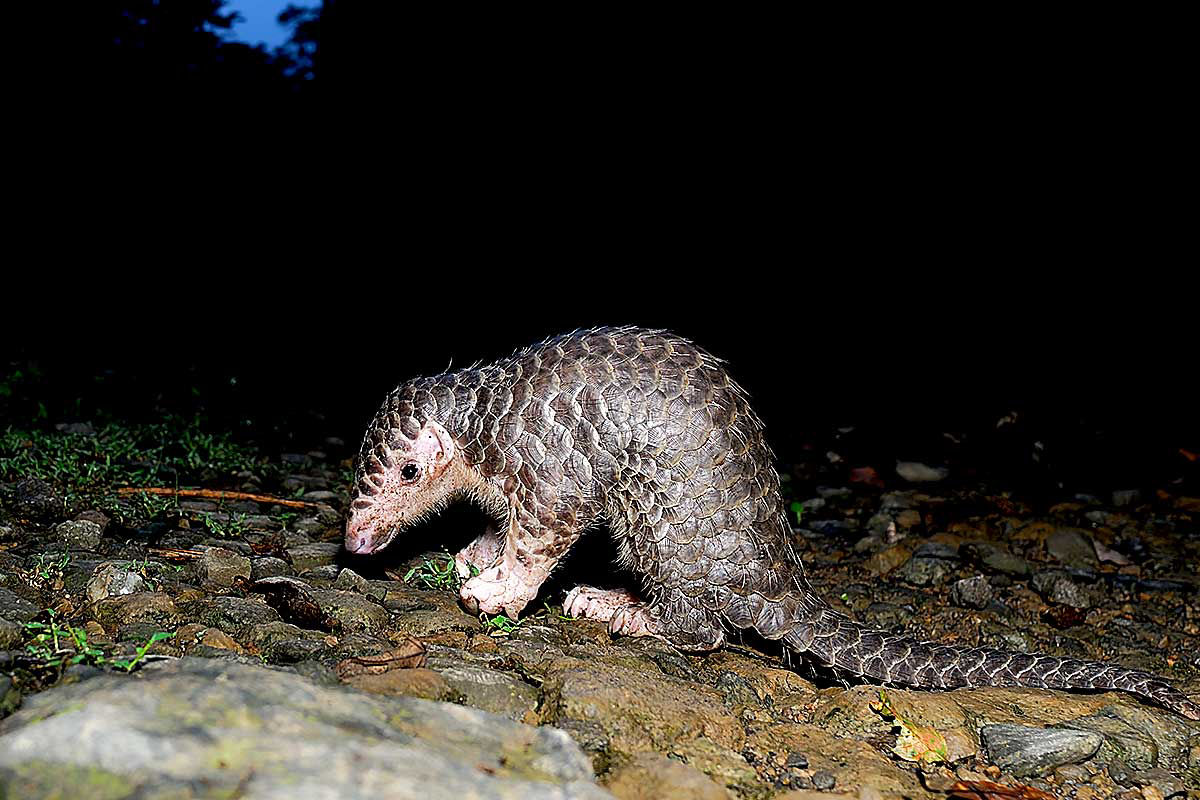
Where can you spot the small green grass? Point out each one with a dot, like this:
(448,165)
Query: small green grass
(437,572)
(56,645)
(169,452)
(48,568)
(128,664)
(499,625)
(231,528)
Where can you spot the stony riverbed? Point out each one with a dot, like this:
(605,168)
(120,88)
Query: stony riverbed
(157,646)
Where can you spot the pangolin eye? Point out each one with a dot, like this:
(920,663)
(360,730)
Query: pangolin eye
(409,472)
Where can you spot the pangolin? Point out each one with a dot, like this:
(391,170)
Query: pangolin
(646,432)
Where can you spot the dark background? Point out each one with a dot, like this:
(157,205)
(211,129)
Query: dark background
(908,240)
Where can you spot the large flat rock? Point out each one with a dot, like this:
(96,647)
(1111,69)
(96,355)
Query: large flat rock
(203,728)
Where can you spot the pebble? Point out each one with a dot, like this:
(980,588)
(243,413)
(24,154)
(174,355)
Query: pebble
(973,592)
(79,534)
(916,472)
(111,579)
(1057,587)
(1026,751)
(824,780)
(1072,547)
(921,571)
(219,568)
(995,557)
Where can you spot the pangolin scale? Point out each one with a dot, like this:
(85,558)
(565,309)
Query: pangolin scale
(646,432)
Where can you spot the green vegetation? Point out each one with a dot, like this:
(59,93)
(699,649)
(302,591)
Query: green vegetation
(128,664)
(797,508)
(231,528)
(55,645)
(47,568)
(499,625)
(170,452)
(58,644)
(436,573)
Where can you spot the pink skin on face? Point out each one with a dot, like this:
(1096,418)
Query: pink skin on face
(403,481)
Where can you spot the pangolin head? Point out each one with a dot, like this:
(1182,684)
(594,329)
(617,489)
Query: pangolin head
(405,472)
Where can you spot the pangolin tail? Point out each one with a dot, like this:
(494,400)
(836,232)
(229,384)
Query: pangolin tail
(837,641)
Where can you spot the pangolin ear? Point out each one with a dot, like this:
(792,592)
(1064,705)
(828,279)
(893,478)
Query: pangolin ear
(433,444)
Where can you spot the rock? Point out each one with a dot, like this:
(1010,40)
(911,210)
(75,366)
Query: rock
(616,712)
(10,697)
(487,689)
(652,776)
(1057,587)
(234,614)
(111,579)
(922,571)
(219,568)
(11,635)
(887,560)
(79,534)
(17,609)
(155,608)
(916,472)
(352,611)
(1139,737)
(995,558)
(1072,547)
(824,780)
(35,499)
(350,580)
(1026,751)
(94,515)
(419,682)
(282,643)
(269,567)
(311,556)
(254,732)
(971,592)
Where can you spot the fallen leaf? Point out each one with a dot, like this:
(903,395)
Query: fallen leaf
(914,742)
(986,790)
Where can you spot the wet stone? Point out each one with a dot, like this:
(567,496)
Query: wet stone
(112,579)
(220,568)
(153,608)
(353,611)
(1026,751)
(973,592)
(79,534)
(823,780)
(417,682)
(1072,547)
(34,498)
(995,558)
(269,567)
(487,689)
(1057,587)
(167,730)
(233,614)
(1137,737)
(310,556)
(921,571)
(283,643)
(350,580)
(652,776)
(16,609)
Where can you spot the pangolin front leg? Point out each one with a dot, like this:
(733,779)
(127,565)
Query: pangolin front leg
(479,554)
(532,548)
